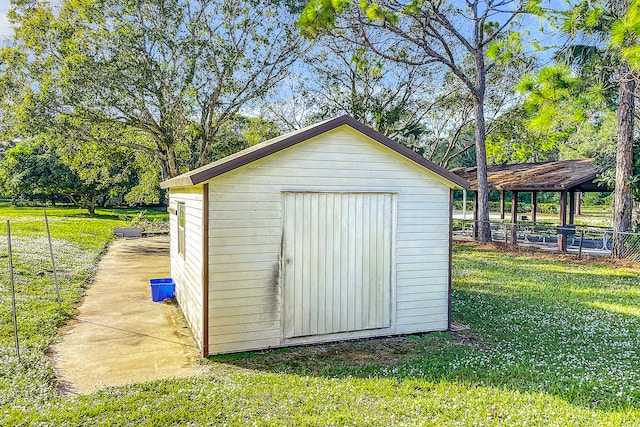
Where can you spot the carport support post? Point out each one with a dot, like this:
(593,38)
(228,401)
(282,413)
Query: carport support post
(562,238)
(572,207)
(534,206)
(514,218)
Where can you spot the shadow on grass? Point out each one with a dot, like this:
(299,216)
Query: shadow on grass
(556,341)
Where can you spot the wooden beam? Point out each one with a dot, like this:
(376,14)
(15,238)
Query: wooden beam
(501,204)
(534,206)
(562,238)
(514,218)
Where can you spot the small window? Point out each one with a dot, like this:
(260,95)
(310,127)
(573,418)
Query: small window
(181,222)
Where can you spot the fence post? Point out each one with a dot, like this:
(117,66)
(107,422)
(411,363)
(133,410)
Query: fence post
(13,291)
(581,240)
(506,236)
(53,259)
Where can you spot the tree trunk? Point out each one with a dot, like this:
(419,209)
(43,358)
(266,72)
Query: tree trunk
(172,163)
(623,202)
(484,229)
(168,164)
(91,204)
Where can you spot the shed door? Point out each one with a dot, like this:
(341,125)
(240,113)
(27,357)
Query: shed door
(337,262)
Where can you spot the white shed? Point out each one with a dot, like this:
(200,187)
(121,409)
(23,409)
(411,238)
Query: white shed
(327,233)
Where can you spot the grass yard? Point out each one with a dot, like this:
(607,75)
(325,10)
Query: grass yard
(552,342)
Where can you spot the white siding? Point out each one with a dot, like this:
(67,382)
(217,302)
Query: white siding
(187,271)
(246,220)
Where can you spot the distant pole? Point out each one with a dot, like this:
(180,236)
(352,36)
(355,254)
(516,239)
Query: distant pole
(464,205)
(53,259)
(13,291)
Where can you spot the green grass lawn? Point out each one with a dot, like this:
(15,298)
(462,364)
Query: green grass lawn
(551,342)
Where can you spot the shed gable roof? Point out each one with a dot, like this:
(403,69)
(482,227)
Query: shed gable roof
(264,149)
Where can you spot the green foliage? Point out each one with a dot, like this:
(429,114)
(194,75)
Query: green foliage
(549,208)
(558,100)
(31,171)
(81,173)
(155,77)
(512,141)
(594,138)
(625,35)
(505,49)
(147,189)
(237,133)
(574,102)
(320,15)
(597,199)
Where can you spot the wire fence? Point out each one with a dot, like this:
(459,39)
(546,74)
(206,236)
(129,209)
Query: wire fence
(593,241)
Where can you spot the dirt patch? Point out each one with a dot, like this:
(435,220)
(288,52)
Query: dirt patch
(470,338)
(323,358)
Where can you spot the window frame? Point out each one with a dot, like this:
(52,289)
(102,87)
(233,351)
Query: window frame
(181,221)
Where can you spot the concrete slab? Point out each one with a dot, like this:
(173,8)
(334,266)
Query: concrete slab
(120,336)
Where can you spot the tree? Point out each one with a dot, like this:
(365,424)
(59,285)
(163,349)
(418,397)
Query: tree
(80,173)
(625,35)
(406,103)
(594,77)
(511,141)
(623,196)
(154,76)
(469,42)
(30,171)
(102,172)
(559,104)
(348,79)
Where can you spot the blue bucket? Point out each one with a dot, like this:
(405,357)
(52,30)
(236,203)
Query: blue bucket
(162,289)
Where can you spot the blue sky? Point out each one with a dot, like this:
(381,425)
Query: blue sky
(5,30)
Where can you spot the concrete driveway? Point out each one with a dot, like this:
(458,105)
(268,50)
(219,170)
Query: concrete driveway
(120,336)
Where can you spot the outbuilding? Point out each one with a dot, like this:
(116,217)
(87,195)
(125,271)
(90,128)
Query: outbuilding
(327,233)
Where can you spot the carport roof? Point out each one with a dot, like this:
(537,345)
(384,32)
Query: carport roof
(565,175)
(274,145)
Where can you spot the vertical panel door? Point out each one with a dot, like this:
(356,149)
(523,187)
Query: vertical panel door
(337,262)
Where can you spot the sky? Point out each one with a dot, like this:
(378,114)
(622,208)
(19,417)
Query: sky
(5,29)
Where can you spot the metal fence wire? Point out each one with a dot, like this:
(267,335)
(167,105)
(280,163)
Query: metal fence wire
(629,244)
(593,241)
